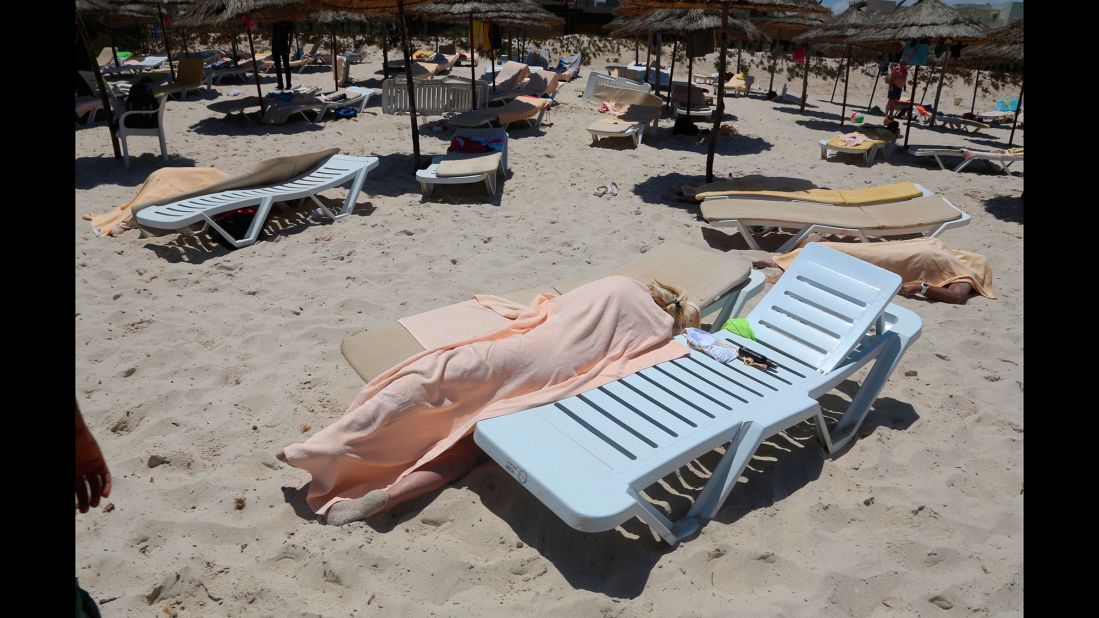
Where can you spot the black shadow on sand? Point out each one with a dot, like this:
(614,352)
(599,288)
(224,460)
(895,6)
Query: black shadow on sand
(1006,208)
(286,220)
(663,188)
(94,171)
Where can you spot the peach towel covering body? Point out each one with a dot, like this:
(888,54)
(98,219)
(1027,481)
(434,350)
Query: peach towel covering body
(557,347)
(917,260)
(161,183)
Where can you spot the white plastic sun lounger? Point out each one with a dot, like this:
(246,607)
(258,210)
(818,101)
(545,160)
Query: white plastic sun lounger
(927,215)
(358,98)
(336,171)
(595,79)
(1004,159)
(493,167)
(868,150)
(589,457)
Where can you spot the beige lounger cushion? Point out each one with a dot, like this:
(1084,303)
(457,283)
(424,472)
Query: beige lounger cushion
(703,274)
(520,108)
(373,351)
(928,210)
(611,125)
(912,213)
(468,164)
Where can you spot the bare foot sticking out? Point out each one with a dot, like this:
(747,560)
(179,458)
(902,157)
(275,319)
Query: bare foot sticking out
(347,511)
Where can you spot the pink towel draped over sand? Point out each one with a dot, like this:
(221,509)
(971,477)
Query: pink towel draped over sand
(554,348)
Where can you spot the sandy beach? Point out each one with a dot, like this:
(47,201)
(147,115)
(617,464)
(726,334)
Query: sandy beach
(195,365)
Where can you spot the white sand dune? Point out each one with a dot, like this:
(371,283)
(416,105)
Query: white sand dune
(214,360)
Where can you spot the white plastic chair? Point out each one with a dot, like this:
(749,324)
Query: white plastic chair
(124,132)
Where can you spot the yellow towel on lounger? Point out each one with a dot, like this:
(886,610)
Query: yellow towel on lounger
(895,192)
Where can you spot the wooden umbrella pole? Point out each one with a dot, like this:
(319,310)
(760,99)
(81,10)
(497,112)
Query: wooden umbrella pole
(114,48)
(411,88)
(233,43)
(877,78)
(659,47)
(832,99)
(976,80)
(255,70)
(102,86)
(690,80)
(335,65)
(671,73)
(720,113)
(1015,120)
(636,51)
(846,77)
(737,58)
(385,52)
(923,95)
(472,64)
(774,46)
(648,55)
(805,78)
(183,39)
(492,62)
(939,90)
(911,106)
(167,42)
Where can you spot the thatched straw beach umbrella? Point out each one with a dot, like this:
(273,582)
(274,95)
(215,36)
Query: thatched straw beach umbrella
(927,19)
(516,13)
(382,6)
(678,23)
(331,19)
(134,9)
(839,30)
(796,6)
(1002,46)
(782,26)
(211,12)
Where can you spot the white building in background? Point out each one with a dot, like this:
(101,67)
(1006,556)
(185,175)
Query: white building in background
(993,15)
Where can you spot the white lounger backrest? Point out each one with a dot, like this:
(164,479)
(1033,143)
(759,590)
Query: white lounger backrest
(822,306)
(595,79)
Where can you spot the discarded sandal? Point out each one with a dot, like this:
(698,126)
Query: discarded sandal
(613,190)
(600,191)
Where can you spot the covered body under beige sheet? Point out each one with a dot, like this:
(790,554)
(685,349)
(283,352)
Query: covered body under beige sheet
(919,260)
(552,349)
(172,184)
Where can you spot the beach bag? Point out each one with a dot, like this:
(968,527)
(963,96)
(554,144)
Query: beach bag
(141,99)
(346,112)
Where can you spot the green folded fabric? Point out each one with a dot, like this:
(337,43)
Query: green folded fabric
(740,326)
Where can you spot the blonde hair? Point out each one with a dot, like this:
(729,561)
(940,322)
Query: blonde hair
(674,301)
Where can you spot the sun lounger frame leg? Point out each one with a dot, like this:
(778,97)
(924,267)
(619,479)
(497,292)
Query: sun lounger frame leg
(962,165)
(253,229)
(721,482)
(745,233)
(353,190)
(816,227)
(736,297)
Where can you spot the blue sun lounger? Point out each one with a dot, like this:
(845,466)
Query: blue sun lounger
(589,456)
